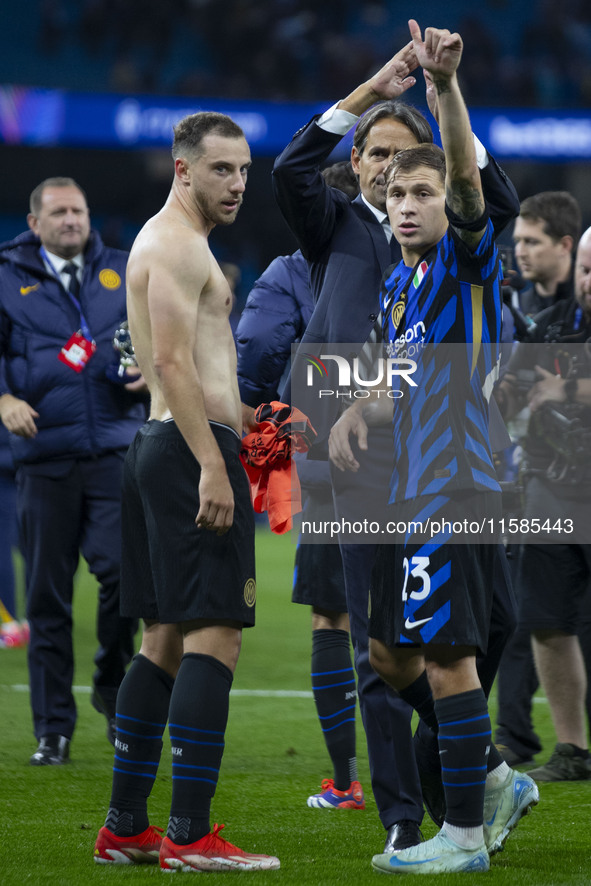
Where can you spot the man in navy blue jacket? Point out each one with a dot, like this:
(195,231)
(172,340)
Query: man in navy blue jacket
(62,295)
(349,245)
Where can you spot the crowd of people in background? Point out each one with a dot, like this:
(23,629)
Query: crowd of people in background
(69,438)
(535,55)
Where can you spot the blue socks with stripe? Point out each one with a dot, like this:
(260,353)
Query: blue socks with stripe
(141,715)
(464,743)
(197,725)
(335,694)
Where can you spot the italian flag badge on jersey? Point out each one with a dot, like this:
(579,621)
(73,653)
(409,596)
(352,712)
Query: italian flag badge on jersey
(421,271)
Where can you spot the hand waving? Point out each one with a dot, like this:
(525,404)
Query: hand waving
(393,79)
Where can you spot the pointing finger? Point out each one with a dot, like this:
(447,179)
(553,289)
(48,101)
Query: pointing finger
(415,31)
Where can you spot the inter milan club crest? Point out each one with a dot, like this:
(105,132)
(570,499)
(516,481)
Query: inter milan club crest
(415,280)
(398,313)
(250,592)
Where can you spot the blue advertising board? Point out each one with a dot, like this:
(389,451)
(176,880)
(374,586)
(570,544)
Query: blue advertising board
(57,118)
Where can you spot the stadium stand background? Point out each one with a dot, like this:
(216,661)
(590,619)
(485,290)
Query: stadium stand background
(535,55)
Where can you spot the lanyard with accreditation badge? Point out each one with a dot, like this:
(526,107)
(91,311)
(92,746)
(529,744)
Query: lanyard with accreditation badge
(80,347)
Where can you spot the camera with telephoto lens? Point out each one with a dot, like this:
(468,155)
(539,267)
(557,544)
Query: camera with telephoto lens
(117,372)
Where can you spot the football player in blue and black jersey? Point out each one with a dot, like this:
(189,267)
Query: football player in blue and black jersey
(431,596)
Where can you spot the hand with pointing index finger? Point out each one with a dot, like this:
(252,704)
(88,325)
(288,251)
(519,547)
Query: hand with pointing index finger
(439,52)
(395,78)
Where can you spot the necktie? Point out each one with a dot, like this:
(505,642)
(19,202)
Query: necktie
(394,245)
(74,286)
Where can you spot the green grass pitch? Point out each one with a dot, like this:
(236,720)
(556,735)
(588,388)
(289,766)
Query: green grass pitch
(274,758)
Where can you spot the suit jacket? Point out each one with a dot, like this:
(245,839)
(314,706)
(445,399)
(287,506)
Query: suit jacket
(347,251)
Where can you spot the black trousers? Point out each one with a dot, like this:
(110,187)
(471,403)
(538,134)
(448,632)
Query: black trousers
(66,508)
(517,679)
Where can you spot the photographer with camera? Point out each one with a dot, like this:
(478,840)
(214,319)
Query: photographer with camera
(545,236)
(551,372)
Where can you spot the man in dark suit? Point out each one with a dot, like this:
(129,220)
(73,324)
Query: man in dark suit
(348,246)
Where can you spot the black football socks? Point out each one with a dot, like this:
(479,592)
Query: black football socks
(335,694)
(464,739)
(141,714)
(419,696)
(197,725)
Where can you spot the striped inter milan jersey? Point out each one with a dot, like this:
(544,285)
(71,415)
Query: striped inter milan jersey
(445,314)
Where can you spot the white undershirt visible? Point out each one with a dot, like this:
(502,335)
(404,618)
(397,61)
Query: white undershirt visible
(382,217)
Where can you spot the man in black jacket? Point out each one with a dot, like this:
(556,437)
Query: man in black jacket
(551,371)
(545,239)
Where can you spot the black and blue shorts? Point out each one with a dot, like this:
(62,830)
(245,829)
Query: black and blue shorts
(434,591)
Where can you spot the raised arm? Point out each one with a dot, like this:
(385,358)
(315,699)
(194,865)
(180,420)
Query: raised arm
(499,191)
(440,53)
(390,82)
(311,209)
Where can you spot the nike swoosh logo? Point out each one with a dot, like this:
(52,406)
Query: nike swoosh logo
(396,862)
(409,625)
(490,823)
(26,289)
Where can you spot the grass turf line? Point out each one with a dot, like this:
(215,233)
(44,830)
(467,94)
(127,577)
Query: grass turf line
(274,758)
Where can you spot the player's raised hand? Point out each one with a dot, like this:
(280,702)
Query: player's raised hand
(439,52)
(394,78)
